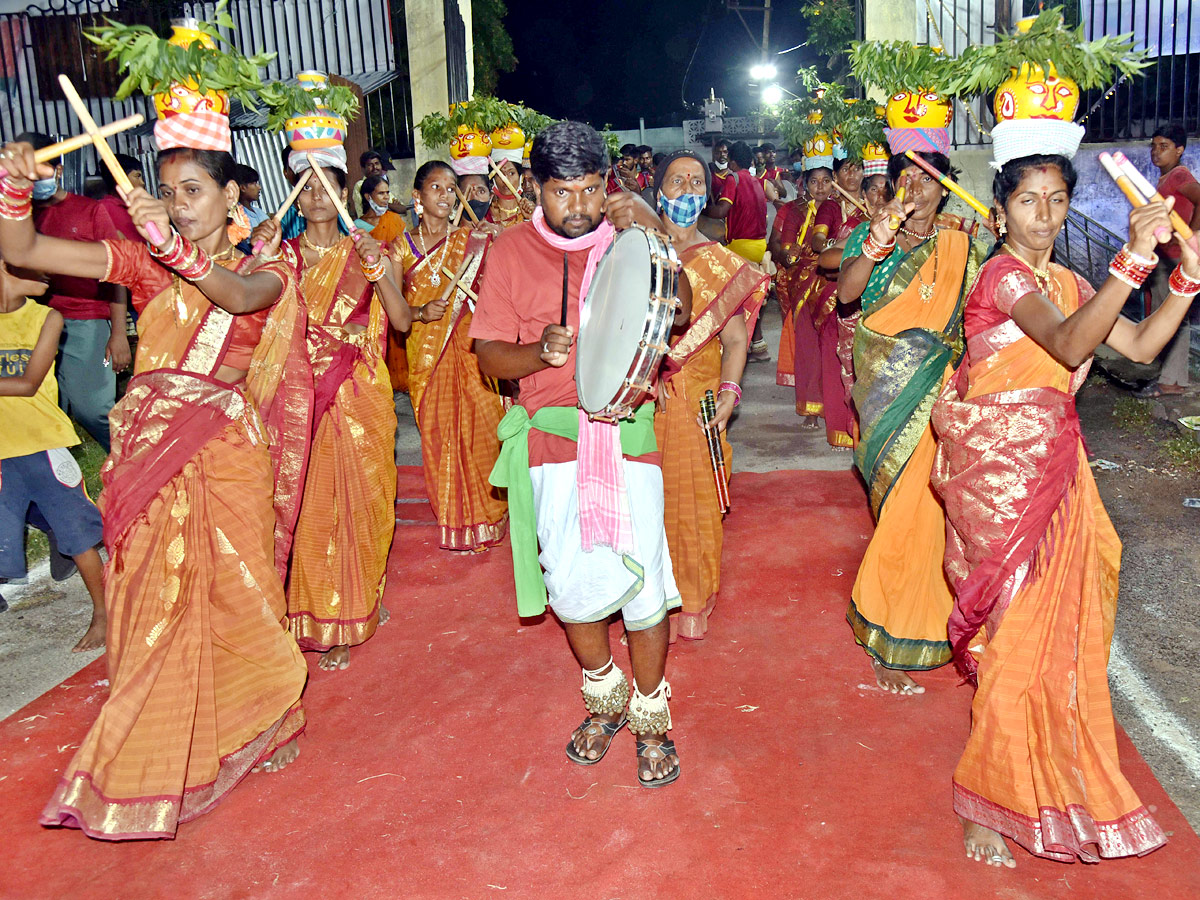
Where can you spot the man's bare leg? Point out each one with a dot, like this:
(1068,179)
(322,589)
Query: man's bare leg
(986,846)
(589,643)
(895,681)
(91,570)
(648,653)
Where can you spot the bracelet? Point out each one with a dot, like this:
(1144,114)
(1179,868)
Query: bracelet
(374,273)
(1181,285)
(188,260)
(875,251)
(1131,269)
(733,389)
(15,203)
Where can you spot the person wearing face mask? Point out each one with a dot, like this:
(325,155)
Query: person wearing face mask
(94,345)
(478,192)
(457,409)
(709,354)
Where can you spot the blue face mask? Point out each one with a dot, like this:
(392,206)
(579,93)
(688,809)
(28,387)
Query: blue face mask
(45,188)
(684,210)
(375,207)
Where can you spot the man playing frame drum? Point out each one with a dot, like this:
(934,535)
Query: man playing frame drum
(591,492)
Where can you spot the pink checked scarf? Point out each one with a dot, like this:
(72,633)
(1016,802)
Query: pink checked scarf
(599,477)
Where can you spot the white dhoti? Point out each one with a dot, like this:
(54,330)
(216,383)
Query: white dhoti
(590,586)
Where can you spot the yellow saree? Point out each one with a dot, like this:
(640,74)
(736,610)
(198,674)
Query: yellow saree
(348,515)
(723,285)
(205,680)
(457,409)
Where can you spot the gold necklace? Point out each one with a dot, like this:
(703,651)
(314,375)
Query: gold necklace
(925,291)
(435,277)
(1041,277)
(317,248)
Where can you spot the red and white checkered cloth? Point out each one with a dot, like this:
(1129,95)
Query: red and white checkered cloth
(199,130)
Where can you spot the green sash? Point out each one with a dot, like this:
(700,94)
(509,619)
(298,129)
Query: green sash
(512,472)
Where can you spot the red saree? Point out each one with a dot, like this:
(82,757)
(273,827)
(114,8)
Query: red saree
(1034,562)
(791,228)
(205,681)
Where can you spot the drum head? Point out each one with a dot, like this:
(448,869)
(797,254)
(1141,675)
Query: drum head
(613,319)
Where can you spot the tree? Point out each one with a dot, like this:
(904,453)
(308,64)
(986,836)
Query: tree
(493,46)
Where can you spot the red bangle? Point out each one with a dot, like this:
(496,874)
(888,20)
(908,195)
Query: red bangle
(1181,285)
(1130,268)
(188,260)
(875,251)
(15,203)
(733,389)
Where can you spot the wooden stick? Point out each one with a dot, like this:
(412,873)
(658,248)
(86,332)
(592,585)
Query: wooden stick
(1150,192)
(287,204)
(948,183)
(465,288)
(62,148)
(333,196)
(455,277)
(895,220)
(500,174)
(105,151)
(857,203)
(1123,182)
(465,205)
(716,455)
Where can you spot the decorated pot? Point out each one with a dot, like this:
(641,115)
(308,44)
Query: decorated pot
(818,145)
(183,97)
(320,127)
(313,80)
(875,159)
(469,142)
(918,109)
(1031,93)
(510,137)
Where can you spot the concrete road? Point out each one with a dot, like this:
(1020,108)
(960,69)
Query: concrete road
(45,619)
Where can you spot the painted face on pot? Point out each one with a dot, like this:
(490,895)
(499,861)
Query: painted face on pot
(1031,93)
(919,109)
(470,143)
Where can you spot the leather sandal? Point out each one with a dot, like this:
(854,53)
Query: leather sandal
(654,752)
(588,727)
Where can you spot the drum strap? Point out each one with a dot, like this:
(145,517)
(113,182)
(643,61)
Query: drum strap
(512,472)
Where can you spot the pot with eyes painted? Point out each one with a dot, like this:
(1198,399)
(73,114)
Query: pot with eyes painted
(1032,92)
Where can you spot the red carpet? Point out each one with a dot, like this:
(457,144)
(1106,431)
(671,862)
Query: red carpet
(434,765)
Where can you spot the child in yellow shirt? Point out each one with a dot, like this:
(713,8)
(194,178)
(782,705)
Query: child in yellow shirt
(36,468)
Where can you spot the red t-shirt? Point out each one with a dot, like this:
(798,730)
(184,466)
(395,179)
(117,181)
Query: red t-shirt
(1169,186)
(521,294)
(119,213)
(76,218)
(747,220)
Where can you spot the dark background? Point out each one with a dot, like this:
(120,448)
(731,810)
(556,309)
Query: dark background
(608,62)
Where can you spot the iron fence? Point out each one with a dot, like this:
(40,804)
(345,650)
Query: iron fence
(1087,247)
(363,40)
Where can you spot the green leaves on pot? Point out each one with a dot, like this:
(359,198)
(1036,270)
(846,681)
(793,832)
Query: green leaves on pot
(895,66)
(288,100)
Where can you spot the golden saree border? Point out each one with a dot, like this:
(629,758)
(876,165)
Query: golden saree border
(78,803)
(909,654)
(726,283)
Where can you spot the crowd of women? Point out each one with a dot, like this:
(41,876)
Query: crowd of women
(251,479)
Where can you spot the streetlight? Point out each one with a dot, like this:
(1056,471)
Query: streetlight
(772,94)
(763,72)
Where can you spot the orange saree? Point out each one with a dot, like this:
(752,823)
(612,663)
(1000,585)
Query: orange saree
(723,285)
(205,680)
(348,514)
(457,409)
(1034,561)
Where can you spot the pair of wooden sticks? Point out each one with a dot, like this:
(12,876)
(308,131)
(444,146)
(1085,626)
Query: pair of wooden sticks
(1135,186)
(716,455)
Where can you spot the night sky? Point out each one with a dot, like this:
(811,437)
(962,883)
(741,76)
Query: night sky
(611,61)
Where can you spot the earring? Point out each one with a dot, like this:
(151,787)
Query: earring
(420,209)
(232,208)
(1002,227)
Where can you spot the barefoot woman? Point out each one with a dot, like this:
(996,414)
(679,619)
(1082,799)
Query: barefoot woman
(457,410)
(911,273)
(347,516)
(205,680)
(1034,558)
(708,355)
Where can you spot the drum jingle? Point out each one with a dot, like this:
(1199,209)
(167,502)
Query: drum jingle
(625,323)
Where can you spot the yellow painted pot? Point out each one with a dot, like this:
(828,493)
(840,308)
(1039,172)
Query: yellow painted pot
(183,96)
(469,142)
(1031,93)
(918,109)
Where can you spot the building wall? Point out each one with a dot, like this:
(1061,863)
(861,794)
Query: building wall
(425,21)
